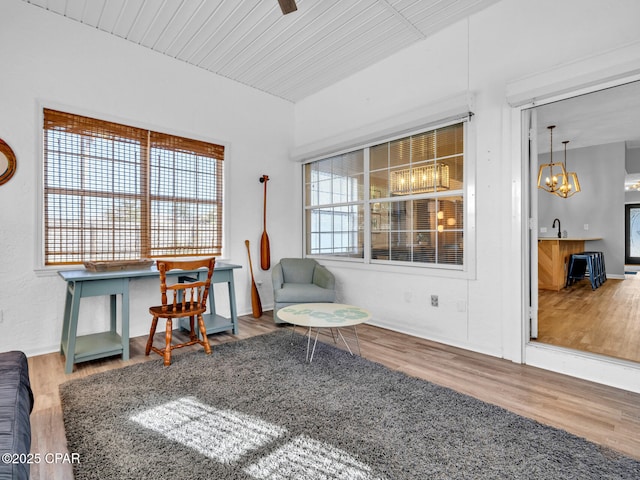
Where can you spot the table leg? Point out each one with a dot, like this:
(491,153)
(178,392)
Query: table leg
(309,358)
(125,319)
(345,342)
(314,344)
(112,312)
(212,298)
(355,331)
(73,327)
(293,330)
(333,335)
(232,304)
(308,343)
(66,317)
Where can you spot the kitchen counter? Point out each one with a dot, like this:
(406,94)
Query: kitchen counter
(553,256)
(569,239)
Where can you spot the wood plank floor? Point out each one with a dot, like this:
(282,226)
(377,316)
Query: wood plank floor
(604,415)
(605,321)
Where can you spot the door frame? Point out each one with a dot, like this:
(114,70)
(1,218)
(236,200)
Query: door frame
(602,71)
(628,259)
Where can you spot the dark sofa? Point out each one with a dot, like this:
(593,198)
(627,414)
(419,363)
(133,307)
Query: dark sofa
(16,403)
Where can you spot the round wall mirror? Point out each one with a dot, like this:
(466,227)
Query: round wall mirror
(7,162)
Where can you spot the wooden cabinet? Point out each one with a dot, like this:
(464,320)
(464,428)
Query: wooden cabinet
(553,255)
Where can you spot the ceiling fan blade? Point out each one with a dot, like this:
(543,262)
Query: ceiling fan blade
(287,6)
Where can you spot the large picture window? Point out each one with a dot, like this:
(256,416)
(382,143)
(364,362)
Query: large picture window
(412,190)
(115,192)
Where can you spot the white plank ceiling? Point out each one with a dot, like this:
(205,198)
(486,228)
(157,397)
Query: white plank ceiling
(252,42)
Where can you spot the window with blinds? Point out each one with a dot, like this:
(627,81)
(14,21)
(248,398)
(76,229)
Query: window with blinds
(418,181)
(114,192)
(414,198)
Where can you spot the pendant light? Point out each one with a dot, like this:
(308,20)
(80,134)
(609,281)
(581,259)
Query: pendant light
(428,178)
(570,184)
(548,179)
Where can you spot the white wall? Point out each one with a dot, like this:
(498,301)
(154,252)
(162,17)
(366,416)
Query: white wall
(632,161)
(632,197)
(632,166)
(50,61)
(600,204)
(508,41)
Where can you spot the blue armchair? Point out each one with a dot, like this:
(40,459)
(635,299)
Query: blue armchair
(301,280)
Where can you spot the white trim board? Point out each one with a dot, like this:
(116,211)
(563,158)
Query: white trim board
(605,370)
(446,110)
(610,66)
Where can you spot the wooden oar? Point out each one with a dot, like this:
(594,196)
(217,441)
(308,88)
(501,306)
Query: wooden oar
(256,304)
(265,253)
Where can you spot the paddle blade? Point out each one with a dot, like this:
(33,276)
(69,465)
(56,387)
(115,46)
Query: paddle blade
(256,304)
(265,254)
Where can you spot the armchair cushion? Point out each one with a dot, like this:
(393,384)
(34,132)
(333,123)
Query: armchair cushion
(298,270)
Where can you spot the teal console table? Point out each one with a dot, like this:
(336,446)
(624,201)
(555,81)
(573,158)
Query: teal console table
(83,283)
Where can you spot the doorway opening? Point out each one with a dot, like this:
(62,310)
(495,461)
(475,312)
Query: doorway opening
(603,149)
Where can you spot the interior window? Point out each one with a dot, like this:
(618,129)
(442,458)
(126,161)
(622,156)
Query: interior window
(414,202)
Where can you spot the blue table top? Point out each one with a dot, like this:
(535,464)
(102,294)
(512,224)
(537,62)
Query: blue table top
(82,274)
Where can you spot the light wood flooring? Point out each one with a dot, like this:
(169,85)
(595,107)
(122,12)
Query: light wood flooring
(602,414)
(604,321)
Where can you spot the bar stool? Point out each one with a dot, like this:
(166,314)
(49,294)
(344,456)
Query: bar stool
(599,266)
(579,265)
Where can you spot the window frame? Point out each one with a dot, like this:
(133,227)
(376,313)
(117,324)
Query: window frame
(468,267)
(43,270)
(334,205)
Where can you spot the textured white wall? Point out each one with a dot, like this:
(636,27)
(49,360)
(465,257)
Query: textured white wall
(48,60)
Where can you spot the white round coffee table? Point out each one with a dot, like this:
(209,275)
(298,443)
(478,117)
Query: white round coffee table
(324,315)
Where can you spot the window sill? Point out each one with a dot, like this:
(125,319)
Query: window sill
(442,271)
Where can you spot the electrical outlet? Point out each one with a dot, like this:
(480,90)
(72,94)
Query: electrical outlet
(434,300)
(586,226)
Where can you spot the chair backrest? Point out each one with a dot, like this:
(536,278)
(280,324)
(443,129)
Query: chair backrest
(186,295)
(298,270)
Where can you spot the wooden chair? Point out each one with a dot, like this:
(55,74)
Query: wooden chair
(188,299)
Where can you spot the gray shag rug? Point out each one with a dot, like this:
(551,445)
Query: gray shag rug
(255,410)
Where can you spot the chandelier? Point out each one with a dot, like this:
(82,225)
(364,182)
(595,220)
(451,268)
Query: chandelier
(570,184)
(557,182)
(428,178)
(551,178)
